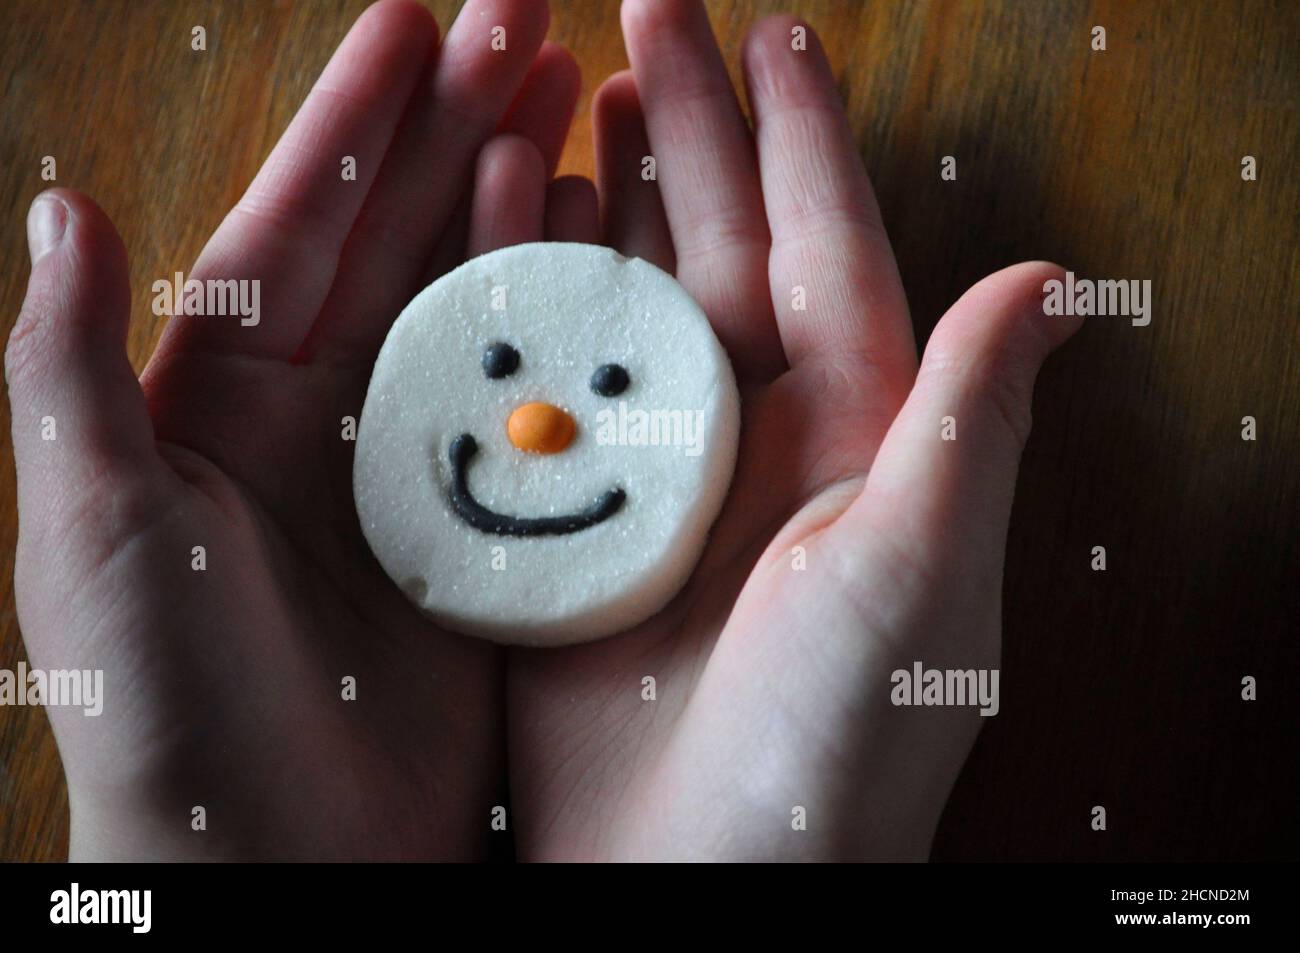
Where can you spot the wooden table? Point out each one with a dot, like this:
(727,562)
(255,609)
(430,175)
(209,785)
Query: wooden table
(1120,688)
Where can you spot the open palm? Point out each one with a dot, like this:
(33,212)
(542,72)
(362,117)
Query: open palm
(193,534)
(750,718)
(855,540)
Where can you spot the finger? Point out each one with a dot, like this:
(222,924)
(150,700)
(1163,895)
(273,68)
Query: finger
(77,410)
(943,480)
(708,176)
(572,211)
(632,211)
(288,230)
(542,112)
(827,235)
(428,168)
(509,194)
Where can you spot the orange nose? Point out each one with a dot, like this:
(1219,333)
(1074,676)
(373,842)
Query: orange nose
(540,428)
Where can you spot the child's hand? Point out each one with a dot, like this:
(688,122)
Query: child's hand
(773,683)
(856,540)
(224,684)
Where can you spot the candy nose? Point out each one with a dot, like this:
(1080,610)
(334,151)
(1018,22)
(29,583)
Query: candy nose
(540,428)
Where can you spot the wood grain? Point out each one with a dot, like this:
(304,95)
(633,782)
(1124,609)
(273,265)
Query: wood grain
(1120,688)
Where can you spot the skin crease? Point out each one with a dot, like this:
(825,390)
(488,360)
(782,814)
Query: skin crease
(772,684)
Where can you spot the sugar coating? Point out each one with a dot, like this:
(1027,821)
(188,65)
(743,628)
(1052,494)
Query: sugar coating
(568,309)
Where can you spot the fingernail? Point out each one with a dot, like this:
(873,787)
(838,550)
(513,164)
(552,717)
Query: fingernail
(46,223)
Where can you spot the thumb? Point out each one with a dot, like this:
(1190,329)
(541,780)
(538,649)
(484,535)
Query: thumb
(943,481)
(78,414)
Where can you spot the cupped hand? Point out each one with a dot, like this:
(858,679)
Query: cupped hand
(857,539)
(193,534)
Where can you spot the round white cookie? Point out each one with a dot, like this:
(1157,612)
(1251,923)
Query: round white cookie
(549,433)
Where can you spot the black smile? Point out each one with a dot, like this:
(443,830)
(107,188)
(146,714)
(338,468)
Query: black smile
(480,517)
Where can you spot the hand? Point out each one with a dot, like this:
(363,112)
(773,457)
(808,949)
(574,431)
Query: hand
(773,684)
(224,686)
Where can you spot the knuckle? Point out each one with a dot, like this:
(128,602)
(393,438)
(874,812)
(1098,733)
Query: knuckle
(997,384)
(1010,405)
(27,340)
(722,229)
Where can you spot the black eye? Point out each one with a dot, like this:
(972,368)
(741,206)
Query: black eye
(500,360)
(609,380)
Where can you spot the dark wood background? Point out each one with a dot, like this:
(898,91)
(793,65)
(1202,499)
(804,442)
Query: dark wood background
(1120,688)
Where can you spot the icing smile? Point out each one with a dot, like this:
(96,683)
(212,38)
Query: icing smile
(481,518)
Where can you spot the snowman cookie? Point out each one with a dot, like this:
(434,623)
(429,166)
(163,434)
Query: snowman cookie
(549,433)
